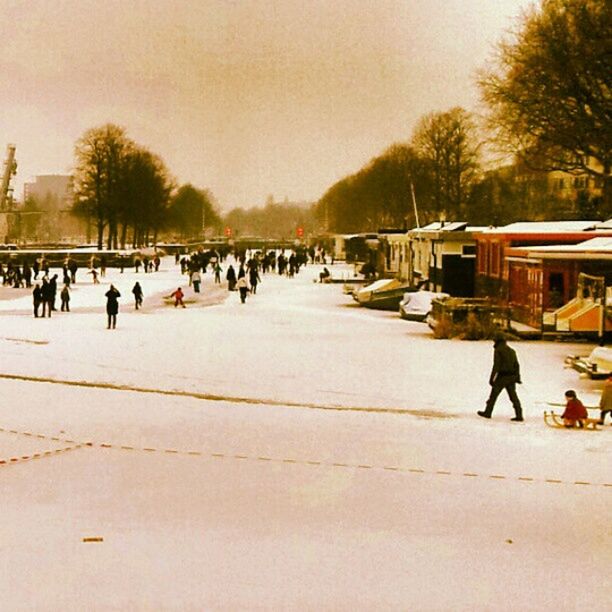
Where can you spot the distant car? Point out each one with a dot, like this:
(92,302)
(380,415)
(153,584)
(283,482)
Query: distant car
(417,305)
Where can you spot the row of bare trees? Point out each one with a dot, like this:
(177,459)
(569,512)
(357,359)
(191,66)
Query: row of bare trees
(438,167)
(549,101)
(129,194)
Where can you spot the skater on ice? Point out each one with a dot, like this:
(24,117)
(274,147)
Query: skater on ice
(137,291)
(178,296)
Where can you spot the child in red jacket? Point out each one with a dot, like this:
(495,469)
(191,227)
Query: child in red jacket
(178,296)
(574,410)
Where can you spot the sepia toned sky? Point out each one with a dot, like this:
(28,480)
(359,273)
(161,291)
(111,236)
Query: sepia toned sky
(245,97)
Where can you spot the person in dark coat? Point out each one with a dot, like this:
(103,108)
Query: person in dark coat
(254,278)
(231,278)
(112,306)
(37,297)
(53,290)
(504,375)
(47,297)
(27,275)
(65,298)
(73,267)
(137,291)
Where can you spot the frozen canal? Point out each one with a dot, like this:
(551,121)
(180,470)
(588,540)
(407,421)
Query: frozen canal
(295,453)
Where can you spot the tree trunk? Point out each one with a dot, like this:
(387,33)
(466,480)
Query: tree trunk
(123,235)
(100,235)
(607,192)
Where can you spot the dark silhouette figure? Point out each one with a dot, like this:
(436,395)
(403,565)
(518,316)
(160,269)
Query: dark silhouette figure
(73,267)
(27,275)
(112,306)
(37,298)
(231,278)
(53,290)
(254,278)
(65,297)
(137,291)
(47,297)
(504,375)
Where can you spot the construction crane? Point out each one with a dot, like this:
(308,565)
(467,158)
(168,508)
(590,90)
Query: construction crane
(10,169)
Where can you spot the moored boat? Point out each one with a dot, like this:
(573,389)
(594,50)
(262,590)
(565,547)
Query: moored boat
(383,294)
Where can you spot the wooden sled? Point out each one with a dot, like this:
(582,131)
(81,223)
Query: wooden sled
(170,300)
(554,420)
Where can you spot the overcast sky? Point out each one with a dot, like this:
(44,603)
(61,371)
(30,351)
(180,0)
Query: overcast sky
(244,97)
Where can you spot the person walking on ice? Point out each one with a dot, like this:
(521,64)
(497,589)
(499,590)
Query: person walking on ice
(504,375)
(37,298)
(178,296)
(605,402)
(137,291)
(196,279)
(112,306)
(243,287)
(217,269)
(65,298)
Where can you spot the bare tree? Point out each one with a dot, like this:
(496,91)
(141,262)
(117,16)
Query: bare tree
(99,154)
(549,89)
(447,143)
(120,185)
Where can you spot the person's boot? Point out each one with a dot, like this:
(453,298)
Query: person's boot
(519,415)
(484,413)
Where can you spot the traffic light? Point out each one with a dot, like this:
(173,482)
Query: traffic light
(299,232)
(228,231)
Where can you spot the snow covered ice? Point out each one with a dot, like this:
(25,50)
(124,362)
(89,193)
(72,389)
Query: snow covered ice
(304,454)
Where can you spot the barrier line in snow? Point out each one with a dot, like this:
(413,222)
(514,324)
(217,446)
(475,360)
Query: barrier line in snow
(37,455)
(211,397)
(267,459)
